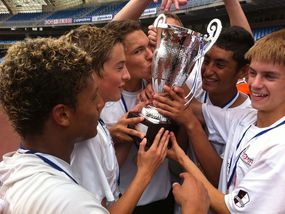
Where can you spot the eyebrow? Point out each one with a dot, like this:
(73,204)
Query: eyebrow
(265,71)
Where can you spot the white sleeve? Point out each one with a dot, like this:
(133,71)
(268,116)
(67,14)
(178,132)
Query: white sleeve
(73,199)
(85,163)
(262,189)
(218,122)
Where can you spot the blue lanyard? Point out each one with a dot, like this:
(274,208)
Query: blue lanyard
(124,101)
(49,162)
(103,126)
(257,135)
(228,104)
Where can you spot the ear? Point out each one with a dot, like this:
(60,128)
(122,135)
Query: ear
(243,73)
(61,114)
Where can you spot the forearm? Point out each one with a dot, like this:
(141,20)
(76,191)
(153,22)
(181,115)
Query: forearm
(207,156)
(196,107)
(236,14)
(130,198)
(216,197)
(132,10)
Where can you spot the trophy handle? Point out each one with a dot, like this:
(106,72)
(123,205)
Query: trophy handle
(214,29)
(160,21)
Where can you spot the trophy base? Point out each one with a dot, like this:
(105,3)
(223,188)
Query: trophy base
(150,129)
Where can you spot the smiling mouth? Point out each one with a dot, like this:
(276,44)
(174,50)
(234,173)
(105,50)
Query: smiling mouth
(258,94)
(209,80)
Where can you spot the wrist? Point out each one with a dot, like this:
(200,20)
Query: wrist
(143,177)
(193,125)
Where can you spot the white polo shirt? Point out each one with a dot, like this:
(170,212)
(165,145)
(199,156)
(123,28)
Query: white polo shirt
(160,185)
(29,185)
(253,159)
(95,164)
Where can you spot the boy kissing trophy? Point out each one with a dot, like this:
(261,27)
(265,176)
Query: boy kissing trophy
(178,50)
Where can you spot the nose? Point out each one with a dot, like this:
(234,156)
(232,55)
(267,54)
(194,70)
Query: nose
(207,69)
(126,74)
(149,53)
(255,82)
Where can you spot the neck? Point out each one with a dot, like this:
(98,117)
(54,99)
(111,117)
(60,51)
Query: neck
(48,145)
(221,100)
(133,85)
(265,119)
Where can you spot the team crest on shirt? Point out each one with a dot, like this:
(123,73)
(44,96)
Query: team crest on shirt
(241,199)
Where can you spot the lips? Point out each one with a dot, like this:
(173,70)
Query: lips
(258,94)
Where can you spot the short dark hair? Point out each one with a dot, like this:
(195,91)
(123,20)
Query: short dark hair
(38,74)
(238,40)
(97,42)
(124,27)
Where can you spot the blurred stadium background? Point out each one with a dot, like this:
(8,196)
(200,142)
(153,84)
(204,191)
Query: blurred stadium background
(20,19)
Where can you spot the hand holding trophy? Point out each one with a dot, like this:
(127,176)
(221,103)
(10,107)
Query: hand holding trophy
(178,51)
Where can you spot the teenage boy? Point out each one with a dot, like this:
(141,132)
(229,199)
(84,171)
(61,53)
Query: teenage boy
(50,91)
(109,60)
(138,62)
(252,179)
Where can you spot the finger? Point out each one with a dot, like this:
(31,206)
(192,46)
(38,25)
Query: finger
(163,3)
(173,139)
(175,184)
(142,145)
(139,106)
(163,141)
(176,4)
(168,5)
(175,188)
(142,97)
(167,107)
(176,93)
(160,99)
(135,133)
(157,138)
(133,120)
(165,148)
(186,175)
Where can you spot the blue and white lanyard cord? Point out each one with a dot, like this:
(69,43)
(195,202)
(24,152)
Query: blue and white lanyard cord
(47,161)
(228,104)
(124,101)
(233,172)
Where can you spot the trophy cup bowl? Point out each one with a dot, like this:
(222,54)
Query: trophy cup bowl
(177,51)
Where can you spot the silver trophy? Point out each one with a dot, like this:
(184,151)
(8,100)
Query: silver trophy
(177,51)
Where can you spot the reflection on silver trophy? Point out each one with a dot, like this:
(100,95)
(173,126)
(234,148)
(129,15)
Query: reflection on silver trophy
(177,51)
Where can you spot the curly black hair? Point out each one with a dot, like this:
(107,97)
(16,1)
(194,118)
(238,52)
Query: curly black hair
(38,74)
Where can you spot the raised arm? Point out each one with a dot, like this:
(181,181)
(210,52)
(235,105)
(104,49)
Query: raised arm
(134,8)
(236,14)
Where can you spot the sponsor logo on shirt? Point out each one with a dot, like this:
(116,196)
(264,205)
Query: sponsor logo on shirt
(245,158)
(241,199)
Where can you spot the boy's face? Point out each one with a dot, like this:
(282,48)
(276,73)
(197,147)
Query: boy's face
(267,88)
(86,114)
(138,55)
(219,71)
(115,74)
